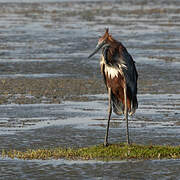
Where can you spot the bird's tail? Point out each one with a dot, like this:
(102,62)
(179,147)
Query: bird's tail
(118,106)
(134,105)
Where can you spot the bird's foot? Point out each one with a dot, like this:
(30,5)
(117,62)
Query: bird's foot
(106,144)
(128,142)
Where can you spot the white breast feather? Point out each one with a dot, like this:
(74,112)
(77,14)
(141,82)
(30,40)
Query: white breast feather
(112,71)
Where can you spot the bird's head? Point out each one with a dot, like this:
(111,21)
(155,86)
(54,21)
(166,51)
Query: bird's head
(102,42)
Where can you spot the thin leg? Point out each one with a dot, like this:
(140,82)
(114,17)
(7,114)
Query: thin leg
(109,117)
(126,113)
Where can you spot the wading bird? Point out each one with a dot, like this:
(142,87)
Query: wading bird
(120,77)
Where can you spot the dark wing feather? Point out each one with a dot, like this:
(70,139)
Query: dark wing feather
(131,77)
(129,71)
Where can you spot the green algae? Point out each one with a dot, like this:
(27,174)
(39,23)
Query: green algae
(112,152)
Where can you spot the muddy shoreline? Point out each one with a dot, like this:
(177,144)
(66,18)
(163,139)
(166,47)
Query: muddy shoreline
(152,80)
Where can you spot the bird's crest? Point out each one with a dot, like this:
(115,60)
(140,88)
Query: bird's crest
(106,36)
(107,32)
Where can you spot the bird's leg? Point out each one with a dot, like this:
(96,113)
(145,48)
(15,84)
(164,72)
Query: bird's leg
(126,113)
(109,117)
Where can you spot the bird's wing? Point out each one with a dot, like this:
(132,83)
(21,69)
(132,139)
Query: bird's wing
(129,69)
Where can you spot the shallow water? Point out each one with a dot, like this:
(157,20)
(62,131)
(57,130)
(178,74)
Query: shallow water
(91,170)
(52,39)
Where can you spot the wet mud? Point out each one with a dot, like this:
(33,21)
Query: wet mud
(51,95)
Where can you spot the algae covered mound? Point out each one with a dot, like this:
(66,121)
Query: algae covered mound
(99,152)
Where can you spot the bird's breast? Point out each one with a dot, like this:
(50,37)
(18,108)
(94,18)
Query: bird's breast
(109,70)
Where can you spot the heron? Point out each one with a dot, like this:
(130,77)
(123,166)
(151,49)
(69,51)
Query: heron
(120,77)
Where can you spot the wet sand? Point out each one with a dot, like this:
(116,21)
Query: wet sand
(52,95)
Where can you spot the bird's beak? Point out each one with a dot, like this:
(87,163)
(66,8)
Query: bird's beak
(98,47)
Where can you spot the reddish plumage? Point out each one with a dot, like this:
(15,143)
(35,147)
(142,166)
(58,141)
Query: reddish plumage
(115,59)
(120,76)
(117,87)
